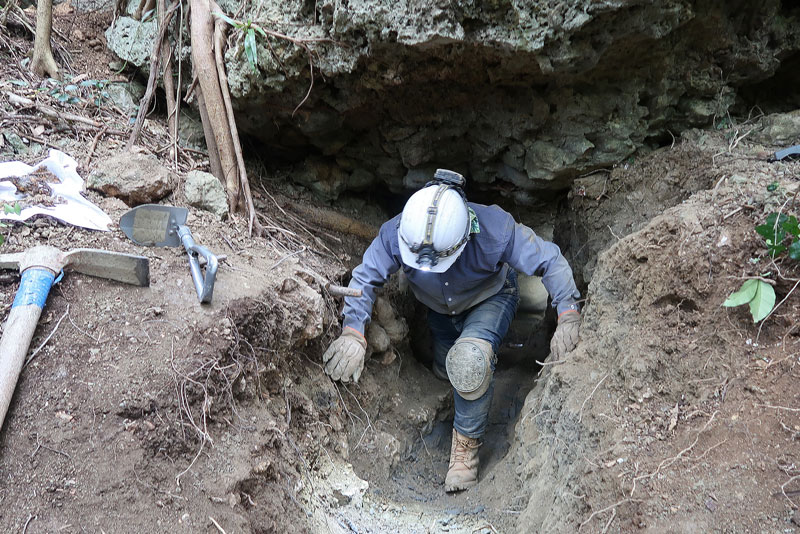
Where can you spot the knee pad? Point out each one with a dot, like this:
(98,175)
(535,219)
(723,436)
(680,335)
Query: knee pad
(469,366)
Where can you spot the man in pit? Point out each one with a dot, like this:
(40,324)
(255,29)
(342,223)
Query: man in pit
(461,261)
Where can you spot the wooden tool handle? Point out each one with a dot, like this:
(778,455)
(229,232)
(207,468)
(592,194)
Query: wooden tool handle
(19,328)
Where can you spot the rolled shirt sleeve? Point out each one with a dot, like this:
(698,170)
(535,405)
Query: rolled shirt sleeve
(379,263)
(528,253)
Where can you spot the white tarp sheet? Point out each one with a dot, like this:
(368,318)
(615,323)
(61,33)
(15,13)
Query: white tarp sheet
(70,206)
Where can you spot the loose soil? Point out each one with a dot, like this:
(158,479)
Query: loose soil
(144,411)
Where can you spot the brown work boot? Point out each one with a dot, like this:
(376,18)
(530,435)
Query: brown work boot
(463,472)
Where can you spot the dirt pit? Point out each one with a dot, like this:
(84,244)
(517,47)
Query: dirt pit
(143,411)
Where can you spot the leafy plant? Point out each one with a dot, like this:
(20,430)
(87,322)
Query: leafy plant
(249,29)
(758,294)
(16,209)
(97,90)
(8,208)
(782,234)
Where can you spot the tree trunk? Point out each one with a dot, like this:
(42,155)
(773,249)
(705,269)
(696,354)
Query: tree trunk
(204,63)
(43,61)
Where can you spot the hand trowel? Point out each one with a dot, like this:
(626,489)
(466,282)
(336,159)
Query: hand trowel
(155,225)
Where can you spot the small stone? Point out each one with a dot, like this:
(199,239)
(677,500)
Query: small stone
(289,285)
(133,178)
(262,467)
(388,357)
(16,142)
(203,190)
(64,416)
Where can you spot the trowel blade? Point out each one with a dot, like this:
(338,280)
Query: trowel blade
(126,268)
(154,225)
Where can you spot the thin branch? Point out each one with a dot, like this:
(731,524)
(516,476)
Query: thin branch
(155,65)
(580,412)
(40,347)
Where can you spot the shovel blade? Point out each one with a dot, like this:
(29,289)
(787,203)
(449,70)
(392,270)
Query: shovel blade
(126,268)
(154,225)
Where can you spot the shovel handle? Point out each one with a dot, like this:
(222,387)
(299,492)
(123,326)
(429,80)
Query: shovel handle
(18,331)
(203,284)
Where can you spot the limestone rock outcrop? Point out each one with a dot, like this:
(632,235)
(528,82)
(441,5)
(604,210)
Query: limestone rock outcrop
(520,95)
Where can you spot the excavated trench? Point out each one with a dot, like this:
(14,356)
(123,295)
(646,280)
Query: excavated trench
(397,421)
(399,418)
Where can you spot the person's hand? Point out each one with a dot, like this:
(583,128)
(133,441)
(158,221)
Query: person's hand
(566,335)
(344,359)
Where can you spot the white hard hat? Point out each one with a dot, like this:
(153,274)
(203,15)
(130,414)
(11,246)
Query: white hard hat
(434,228)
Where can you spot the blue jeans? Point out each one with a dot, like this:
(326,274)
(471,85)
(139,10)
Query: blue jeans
(489,321)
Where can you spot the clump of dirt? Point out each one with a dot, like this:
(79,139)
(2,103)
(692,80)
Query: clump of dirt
(675,413)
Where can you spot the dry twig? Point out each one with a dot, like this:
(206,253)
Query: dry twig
(40,347)
(580,412)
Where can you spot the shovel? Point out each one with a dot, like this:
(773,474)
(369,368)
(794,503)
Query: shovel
(39,267)
(165,226)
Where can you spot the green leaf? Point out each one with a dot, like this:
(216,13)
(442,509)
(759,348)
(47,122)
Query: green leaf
(773,228)
(227,19)
(744,295)
(250,48)
(260,30)
(794,250)
(774,250)
(2,239)
(20,83)
(763,301)
(791,226)
(772,187)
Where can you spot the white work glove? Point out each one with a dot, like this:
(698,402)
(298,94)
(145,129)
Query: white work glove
(344,359)
(566,335)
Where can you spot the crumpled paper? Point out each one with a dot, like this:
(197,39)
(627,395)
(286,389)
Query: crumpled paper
(70,206)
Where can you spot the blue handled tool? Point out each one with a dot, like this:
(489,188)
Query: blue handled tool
(39,267)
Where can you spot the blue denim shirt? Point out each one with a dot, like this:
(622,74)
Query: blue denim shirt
(477,274)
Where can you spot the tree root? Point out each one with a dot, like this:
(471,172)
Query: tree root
(244,183)
(155,64)
(215,118)
(143,7)
(43,61)
(332,220)
(169,83)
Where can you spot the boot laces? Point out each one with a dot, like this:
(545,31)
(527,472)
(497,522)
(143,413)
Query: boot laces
(464,448)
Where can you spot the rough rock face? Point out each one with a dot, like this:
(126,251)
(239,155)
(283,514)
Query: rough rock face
(518,94)
(521,93)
